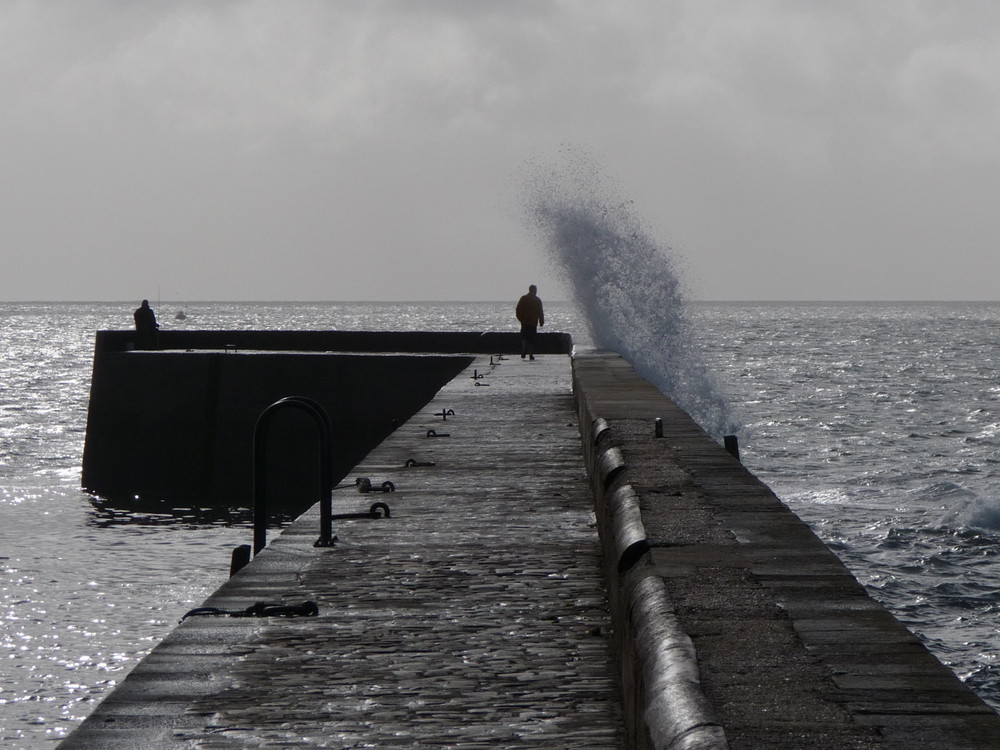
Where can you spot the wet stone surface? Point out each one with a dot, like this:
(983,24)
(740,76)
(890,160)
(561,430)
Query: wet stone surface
(473,617)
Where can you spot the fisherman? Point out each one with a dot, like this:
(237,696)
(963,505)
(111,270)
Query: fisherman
(145,325)
(529,313)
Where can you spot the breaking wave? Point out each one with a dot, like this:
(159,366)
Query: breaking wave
(625,284)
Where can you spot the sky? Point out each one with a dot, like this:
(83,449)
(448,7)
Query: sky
(378,150)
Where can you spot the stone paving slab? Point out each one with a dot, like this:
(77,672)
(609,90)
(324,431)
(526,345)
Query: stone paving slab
(474,617)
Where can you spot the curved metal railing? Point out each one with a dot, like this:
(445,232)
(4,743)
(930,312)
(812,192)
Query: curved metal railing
(319,415)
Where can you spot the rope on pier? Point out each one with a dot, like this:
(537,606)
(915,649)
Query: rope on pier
(258,609)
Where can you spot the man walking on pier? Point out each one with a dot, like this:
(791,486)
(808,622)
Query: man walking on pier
(529,313)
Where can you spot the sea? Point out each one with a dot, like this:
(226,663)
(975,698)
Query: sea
(877,423)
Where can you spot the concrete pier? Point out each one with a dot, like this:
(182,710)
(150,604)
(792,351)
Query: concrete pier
(760,627)
(558,578)
(473,617)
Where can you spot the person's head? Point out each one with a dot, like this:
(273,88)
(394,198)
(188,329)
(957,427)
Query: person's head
(532,289)
(145,303)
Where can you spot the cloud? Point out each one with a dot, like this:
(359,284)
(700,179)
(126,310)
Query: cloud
(333,72)
(763,138)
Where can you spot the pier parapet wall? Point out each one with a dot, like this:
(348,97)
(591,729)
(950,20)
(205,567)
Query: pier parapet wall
(735,625)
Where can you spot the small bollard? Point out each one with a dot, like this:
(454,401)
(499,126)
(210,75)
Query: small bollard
(414,462)
(364,485)
(658,427)
(732,446)
(241,556)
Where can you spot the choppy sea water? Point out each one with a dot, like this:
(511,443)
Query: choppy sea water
(879,424)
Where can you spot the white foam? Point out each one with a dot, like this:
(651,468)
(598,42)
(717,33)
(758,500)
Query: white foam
(625,284)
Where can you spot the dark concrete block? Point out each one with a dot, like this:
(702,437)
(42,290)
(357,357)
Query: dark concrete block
(169,428)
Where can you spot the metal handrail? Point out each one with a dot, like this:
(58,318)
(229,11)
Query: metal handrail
(311,407)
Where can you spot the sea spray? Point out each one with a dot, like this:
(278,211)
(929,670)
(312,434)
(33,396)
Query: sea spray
(626,286)
(965,510)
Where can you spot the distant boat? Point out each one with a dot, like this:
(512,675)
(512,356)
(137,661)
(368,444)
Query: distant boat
(180,315)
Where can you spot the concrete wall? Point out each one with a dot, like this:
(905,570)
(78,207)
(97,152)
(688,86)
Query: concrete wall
(444,342)
(663,703)
(177,427)
(734,624)
(174,426)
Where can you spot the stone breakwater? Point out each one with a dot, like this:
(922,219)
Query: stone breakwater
(474,616)
(552,575)
(735,626)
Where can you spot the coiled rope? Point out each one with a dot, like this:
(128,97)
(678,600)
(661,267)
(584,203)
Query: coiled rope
(259,609)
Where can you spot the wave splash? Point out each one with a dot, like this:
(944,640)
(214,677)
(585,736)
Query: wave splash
(626,286)
(968,510)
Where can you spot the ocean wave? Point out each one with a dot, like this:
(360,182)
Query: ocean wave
(626,284)
(967,508)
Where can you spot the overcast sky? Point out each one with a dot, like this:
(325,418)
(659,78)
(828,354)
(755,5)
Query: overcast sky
(377,150)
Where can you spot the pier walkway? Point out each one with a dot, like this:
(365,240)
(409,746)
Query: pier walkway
(473,617)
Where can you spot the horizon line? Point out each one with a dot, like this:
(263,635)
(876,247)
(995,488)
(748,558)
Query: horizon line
(481,301)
